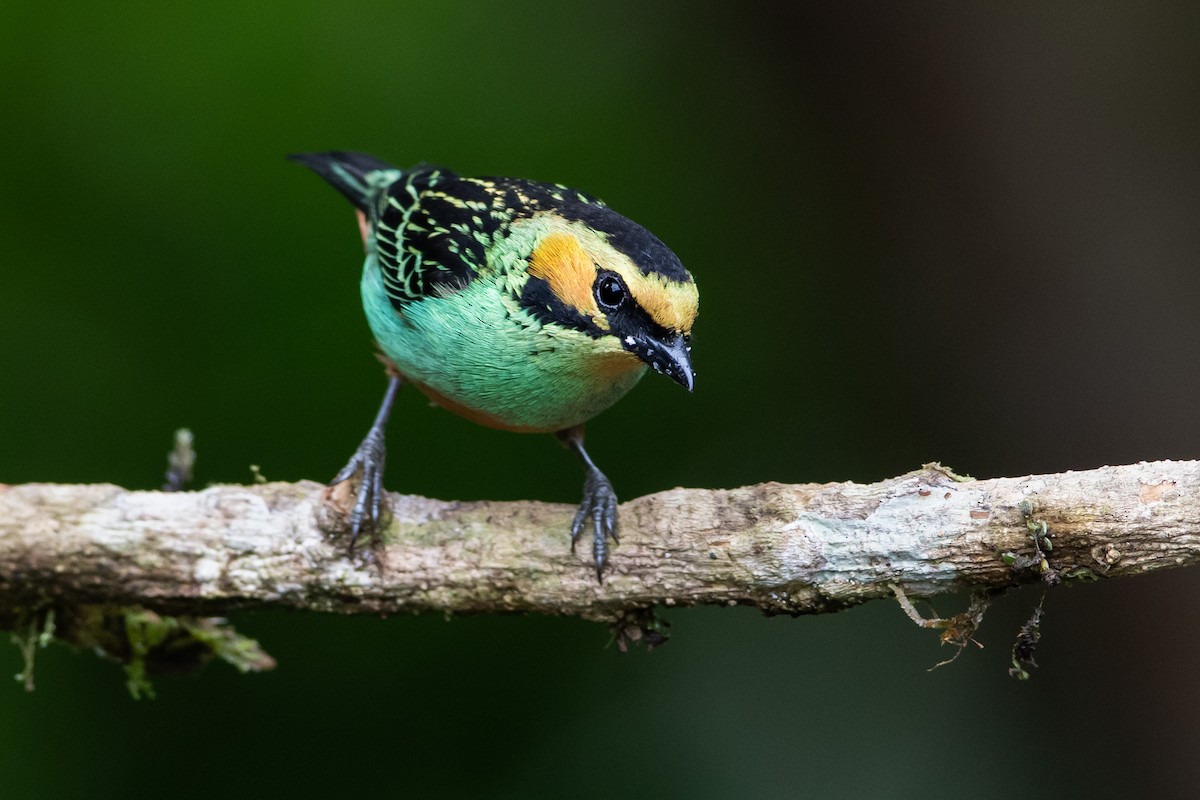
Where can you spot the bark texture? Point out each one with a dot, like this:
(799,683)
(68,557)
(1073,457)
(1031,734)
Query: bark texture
(782,548)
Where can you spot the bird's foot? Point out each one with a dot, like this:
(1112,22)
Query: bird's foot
(370,501)
(597,512)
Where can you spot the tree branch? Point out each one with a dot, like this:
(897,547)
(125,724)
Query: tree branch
(782,548)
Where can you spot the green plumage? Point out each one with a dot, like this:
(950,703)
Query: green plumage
(485,351)
(519,305)
(443,288)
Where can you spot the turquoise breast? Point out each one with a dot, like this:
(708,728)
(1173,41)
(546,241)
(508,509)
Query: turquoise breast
(479,354)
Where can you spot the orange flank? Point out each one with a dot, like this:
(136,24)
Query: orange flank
(474,415)
(364,228)
(607,368)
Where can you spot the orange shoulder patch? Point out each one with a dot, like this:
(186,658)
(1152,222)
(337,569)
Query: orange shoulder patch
(560,260)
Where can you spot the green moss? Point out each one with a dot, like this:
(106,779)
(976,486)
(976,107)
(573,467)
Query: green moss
(1084,574)
(172,644)
(144,642)
(35,633)
(949,473)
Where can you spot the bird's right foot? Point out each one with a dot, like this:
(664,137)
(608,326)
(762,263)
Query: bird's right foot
(370,500)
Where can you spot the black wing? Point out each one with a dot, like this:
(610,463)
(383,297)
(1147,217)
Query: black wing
(421,235)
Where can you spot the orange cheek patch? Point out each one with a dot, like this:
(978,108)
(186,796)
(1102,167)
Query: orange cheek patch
(561,262)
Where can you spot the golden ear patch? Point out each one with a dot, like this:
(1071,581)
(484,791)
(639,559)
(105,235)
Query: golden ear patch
(560,260)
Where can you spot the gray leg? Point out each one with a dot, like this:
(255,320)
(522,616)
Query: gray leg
(369,460)
(599,507)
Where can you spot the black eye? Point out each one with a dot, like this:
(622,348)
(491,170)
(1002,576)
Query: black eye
(610,291)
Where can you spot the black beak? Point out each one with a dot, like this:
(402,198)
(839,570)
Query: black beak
(669,356)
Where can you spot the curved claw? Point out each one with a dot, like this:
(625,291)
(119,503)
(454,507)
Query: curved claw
(599,507)
(370,499)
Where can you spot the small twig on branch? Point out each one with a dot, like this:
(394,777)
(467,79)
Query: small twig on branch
(792,549)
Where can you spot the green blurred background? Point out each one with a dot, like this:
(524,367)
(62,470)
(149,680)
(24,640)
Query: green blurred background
(940,231)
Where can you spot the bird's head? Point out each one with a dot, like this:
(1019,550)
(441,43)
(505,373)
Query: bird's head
(594,271)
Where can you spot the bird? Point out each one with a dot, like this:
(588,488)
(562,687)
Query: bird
(519,305)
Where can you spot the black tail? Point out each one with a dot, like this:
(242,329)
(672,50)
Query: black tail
(349,173)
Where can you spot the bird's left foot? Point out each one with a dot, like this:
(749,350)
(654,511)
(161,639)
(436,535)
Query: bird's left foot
(597,513)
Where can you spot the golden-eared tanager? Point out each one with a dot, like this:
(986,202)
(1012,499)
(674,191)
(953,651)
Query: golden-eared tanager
(519,305)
